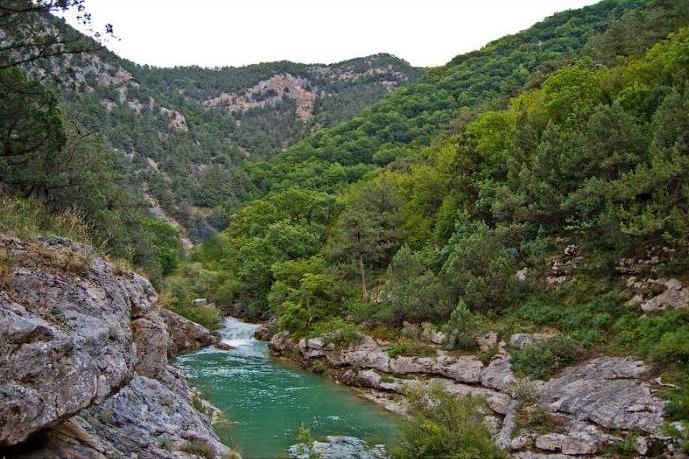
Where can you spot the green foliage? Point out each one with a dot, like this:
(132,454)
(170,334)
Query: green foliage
(414,293)
(166,239)
(464,327)
(195,172)
(409,347)
(338,332)
(443,425)
(476,263)
(73,184)
(178,295)
(542,359)
(412,116)
(28,218)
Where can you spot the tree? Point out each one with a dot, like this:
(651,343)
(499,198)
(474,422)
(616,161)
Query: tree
(368,230)
(31,33)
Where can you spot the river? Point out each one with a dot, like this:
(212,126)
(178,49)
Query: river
(267,399)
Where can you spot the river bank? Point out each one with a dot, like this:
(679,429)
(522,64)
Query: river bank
(268,399)
(602,405)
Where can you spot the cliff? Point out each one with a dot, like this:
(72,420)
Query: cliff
(84,360)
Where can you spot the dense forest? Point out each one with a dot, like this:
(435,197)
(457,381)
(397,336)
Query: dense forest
(187,130)
(509,203)
(95,147)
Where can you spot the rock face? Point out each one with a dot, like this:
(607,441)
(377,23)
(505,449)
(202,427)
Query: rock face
(608,391)
(592,405)
(83,358)
(150,420)
(184,334)
(337,447)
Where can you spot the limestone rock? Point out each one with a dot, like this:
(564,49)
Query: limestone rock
(337,447)
(223,346)
(152,341)
(581,439)
(487,341)
(504,437)
(262,333)
(676,295)
(65,340)
(372,379)
(523,340)
(280,343)
(465,369)
(608,391)
(143,413)
(74,333)
(185,335)
(431,335)
(498,375)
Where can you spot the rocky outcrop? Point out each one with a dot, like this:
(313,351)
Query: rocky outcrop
(270,92)
(337,447)
(592,405)
(148,419)
(608,391)
(83,359)
(184,334)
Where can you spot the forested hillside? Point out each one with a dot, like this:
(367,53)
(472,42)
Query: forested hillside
(133,159)
(411,117)
(187,130)
(538,184)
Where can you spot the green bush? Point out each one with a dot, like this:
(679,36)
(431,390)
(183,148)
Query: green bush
(442,425)
(542,359)
(464,327)
(338,332)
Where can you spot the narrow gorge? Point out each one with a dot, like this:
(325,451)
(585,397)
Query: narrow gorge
(209,250)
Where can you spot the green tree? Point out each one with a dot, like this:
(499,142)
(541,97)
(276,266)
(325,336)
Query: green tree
(368,229)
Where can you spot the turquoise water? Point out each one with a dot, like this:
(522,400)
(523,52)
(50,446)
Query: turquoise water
(267,399)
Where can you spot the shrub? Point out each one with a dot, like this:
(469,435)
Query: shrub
(479,267)
(28,218)
(542,359)
(338,332)
(464,327)
(442,425)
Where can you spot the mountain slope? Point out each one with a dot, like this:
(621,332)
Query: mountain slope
(411,116)
(186,130)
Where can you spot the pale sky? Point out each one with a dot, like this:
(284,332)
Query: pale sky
(213,33)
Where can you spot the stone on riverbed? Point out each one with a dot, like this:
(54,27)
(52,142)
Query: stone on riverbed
(337,447)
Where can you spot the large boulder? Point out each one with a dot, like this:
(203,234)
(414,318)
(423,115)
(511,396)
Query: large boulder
(147,419)
(65,339)
(337,447)
(185,335)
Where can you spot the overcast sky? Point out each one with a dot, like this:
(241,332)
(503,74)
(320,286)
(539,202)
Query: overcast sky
(238,32)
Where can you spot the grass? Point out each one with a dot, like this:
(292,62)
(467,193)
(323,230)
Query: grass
(165,443)
(408,347)
(27,219)
(199,448)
